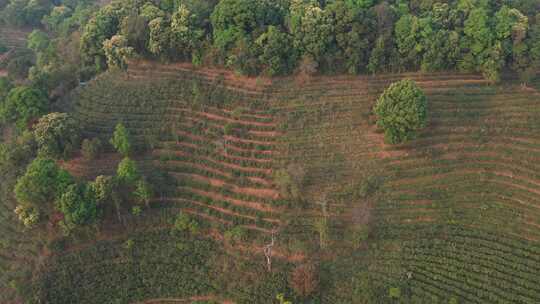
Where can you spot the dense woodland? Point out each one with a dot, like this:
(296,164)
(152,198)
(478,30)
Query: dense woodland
(66,97)
(78,39)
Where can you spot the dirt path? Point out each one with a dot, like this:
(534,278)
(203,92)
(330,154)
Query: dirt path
(224,164)
(264,193)
(241,203)
(222,210)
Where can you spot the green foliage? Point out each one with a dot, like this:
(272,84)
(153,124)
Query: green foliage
(357,235)
(38,41)
(28,215)
(290,181)
(236,234)
(91,148)
(354,31)
(103,188)
(176,38)
(136,210)
(57,135)
(127,171)
(235,20)
(160,36)
(121,140)
(281,299)
(135,29)
(184,223)
(18,152)
(78,205)
(345,35)
(277,54)
(74,277)
(19,64)
(407,32)
(56,18)
(150,12)
(117,52)
(42,183)
(311,28)
(394,292)
(186,36)
(5,87)
(101,27)
(21,13)
(143,192)
(22,105)
(401,111)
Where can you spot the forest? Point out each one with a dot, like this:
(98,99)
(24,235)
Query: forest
(269,151)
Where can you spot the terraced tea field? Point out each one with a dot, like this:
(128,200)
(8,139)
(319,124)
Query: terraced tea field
(452,215)
(456,211)
(221,156)
(13,38)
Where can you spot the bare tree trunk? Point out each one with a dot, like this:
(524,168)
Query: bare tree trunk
(268,251)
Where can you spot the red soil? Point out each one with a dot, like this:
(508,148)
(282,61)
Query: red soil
(248,204)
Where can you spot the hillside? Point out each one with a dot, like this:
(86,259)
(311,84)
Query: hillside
(450,216)
(14,37)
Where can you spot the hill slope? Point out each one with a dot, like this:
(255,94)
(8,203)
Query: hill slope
(450,215)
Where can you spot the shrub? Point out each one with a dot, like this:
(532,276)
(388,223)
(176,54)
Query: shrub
(103,188)
(91,148)
(394,292)
(401,111)
(185,223)
(28,215)
(136,210)
(236,234)
(127,171)
(121,140)
(143,192)
(5,87)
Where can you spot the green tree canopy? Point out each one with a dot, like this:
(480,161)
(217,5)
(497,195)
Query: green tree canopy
(121,140)
(127,171)
(186,36)
(42,183)
(38,41)
(103,188)
(101,27)
(236,20)
(117,52)
(5,87)
(354,31)
(78,205)
(401,111)
(311,28)
(135,29)
(57,135)
(277,54)
(22,105)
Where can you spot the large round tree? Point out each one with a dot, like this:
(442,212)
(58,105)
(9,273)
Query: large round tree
(401,111)
(57,135)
